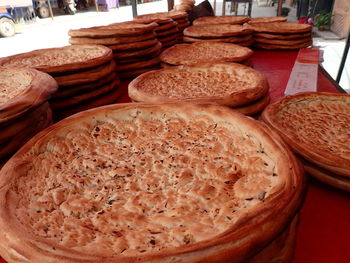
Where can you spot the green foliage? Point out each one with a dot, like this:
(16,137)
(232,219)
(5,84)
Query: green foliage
(323,19)
(285,11)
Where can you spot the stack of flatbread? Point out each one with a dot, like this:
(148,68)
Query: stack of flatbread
(267,19)
(316,126)
(230,84)
(135,46)
(184,5)
(227,33)
(204,52)
(218,20)
(24,110)
(168,35)
(281,35)
(86,75)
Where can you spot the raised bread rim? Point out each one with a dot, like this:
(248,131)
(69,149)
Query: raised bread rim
(249,234)
(238,98)
(311,153)
(217,20)
(65,67)
(39,91)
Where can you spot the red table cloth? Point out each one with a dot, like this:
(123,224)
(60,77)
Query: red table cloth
(324,229)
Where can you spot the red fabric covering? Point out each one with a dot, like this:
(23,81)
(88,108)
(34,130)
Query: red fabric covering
(324,230)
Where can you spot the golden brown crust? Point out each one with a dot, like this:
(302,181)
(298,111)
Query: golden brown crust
(279,27)
(227,84)
(205,52)
(134,46)
(130,74)
(22,89)
(86,76)
(255,107)
(283,36)
(110,41)
(162,15)
(214,20)
(268,19)
(314,124)
(287,42)
(283,47)
(138,53)
(246,216)
(215,31)
(166,26)
(223,39)
(327,177)
(118,29)
(172,31)
(57,104)
(136,65)
(58,60)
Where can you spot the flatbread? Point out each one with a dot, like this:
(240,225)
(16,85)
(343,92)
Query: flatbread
(315,125)
(279,27)
(255,107)
(204,52)
(122,61)
(209,164)
(215,31)
(170,43)
(22,89)
(161,15)
(72,101)
(288,42)
(61,60)
(283,36)
(86,76)
(268,19)
(327,177)
(247,43)
(142,64)
(165,27)
(138,53)
(214,20)
(110,41)
(167,38)
(169,32)
(160,21)
(134,46)
(228,84)
(283,47)
(113,30)
(68,91)
(223,39)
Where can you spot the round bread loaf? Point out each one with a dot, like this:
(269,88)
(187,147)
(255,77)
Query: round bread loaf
(163,15)
(227,84)
(22,89)
(315,125)
(279,27)
(214,31)
(59,60)
(205,52)
(213,20)
(148,183)
(268,19)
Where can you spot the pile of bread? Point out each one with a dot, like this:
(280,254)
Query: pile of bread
(85,74)
(24,107)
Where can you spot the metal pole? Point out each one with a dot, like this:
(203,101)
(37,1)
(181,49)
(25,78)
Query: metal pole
(134,7)
(214,7)
(170,4)
(343,59)
(50,9)
(96,6)
(224,7)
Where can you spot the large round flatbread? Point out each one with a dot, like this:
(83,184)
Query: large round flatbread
(283,47)
(255,107)
(134,46)
(214,31)
(227,84)
(315,125)
(223,39)
(286,42)
(109,41)
(63,59)
(140,64)
(214,20)
(279,27)
(138,53)
(205,52)
(118,29)
(22,89)
(150,183)
(162,15)
(283,36)
(268,19)
(130,74)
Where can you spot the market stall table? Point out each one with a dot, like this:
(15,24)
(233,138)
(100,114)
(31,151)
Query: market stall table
(324,229)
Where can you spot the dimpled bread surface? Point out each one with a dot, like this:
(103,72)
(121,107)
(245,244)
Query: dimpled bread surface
(146,182)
